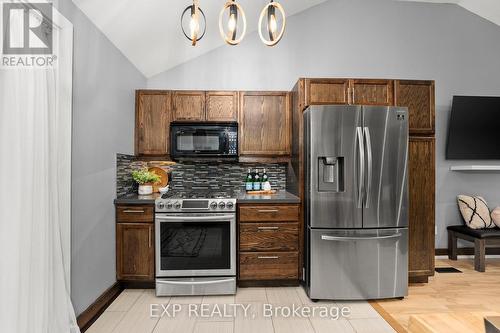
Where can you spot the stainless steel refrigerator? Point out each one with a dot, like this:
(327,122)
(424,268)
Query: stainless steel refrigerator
(356,202)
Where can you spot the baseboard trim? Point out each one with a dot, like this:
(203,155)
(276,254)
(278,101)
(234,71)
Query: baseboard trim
(90,315)
(468,251)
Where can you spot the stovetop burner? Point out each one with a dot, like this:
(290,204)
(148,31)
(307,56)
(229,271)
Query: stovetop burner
(200,194)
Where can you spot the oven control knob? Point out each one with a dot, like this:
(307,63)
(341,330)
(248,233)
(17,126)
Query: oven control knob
(222,205)
(229,205)
(161,205)
(169,205)
(213,205)
(177,205)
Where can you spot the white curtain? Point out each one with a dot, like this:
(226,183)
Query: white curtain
(35,192)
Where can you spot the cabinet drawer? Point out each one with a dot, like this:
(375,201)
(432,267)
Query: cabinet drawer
(264,213)
(268,265)
(135,213)
(269,236)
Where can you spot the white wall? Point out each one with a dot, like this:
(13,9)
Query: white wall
(370,38)
(103,124)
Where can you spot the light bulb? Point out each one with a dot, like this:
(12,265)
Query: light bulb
(273,25)
(231,24)
(194,26)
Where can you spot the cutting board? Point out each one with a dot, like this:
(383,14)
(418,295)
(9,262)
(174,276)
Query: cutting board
(163,175)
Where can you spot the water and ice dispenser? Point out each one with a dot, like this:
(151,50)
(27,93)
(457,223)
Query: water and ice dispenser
(331,174)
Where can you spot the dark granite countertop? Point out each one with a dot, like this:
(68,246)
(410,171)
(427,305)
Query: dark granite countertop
(136,199)
(279,197)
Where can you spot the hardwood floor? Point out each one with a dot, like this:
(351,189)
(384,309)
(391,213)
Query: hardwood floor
(450,302)
(130,312)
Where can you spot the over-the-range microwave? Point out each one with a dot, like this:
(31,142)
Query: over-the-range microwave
(192,140)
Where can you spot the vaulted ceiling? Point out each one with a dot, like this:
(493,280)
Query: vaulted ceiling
(148,31)
(488,9)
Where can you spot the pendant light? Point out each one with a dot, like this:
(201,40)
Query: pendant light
(235,12)
(269,12)
(196,21)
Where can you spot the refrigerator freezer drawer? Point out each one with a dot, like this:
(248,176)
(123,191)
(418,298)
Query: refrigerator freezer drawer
(358,264)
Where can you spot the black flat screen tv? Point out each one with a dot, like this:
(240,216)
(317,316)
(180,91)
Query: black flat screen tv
(474,128)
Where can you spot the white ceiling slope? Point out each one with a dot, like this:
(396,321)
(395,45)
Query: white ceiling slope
(488,9)
(148,32)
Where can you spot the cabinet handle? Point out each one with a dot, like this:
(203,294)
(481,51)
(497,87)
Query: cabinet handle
(132,211)
(268,228)
(149,237)
(267,210)
(268,257)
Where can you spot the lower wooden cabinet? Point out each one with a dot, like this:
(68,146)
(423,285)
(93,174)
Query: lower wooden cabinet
(421,186)
(135,244)
(269,242)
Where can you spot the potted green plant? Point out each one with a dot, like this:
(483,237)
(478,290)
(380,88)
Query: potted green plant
(145,179)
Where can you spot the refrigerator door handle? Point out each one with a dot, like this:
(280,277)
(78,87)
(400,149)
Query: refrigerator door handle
(369,157)
(346,239)
(361,165)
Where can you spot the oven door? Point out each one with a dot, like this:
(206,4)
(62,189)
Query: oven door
(195,245)
(188,142)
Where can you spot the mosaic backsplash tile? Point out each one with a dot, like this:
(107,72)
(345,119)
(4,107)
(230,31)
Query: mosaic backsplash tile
(205,175)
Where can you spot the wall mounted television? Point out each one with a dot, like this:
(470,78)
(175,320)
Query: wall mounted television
(474,128)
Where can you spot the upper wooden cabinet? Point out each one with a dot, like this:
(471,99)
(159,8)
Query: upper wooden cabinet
(418,97)
(326,91)
(152,122)
(372,92)
(221,106)
(189,105)
(264,123)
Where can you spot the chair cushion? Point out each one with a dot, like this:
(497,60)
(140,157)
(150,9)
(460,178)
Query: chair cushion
(475,212)
(477,233)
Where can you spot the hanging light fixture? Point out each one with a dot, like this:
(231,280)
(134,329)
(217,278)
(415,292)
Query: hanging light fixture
(235,11)
(196,22)
(269,11)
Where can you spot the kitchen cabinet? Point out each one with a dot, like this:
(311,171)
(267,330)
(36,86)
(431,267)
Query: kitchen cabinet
(135,243)
(264,123)
(326,91)
(418,97)
(268,243)
(189,105)
(221,106)
(152,122)
(421,186)
(372,92)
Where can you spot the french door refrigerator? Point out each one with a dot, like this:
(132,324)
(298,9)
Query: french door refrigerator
(356,202)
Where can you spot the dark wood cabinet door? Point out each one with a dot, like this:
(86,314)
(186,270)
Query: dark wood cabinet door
(189,105)
(326,91)
(372,92)
(418,97)
(222,106)
(264,123)
(152,119)
(135,251)
(421,176)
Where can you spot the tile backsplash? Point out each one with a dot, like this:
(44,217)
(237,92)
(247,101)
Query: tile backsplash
(206,175)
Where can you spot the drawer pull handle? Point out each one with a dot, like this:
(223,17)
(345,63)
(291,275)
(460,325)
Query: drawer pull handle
(268,228)
(267,210)
(132,211)
(268,257)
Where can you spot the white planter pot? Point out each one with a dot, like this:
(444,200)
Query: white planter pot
(145,189)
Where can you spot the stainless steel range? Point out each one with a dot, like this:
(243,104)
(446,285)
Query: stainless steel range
(195,241)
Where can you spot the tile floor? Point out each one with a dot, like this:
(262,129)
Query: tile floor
(130,313)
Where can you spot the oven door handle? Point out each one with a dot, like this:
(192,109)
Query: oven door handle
(193,218)
(194,282)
